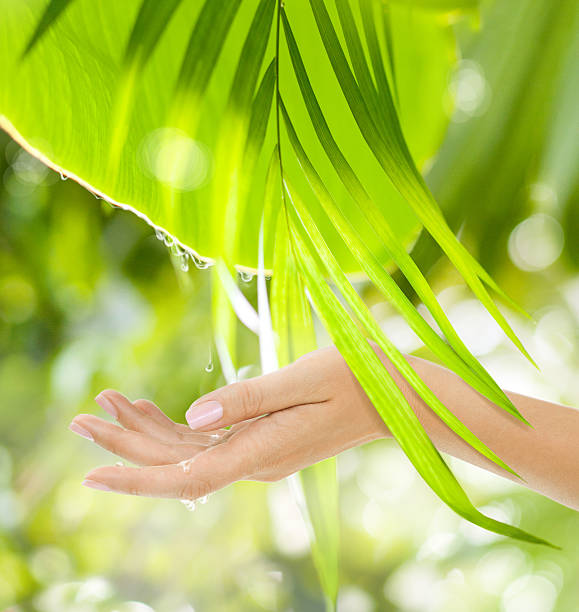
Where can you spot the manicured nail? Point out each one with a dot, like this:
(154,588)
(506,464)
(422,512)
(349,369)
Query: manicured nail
(105,403)
(93,484)
(204,414)
(81,431)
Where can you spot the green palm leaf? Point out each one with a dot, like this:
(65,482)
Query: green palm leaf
(385,395)
(476,376)
(393,155)
(165,109)
(50,15)
(356,189)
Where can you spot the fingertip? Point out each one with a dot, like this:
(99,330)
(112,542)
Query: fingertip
(103,472)
(105,393)
(94,484)
(204,414)
(83,415)
(143,404)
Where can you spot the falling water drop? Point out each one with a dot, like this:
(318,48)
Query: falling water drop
(209,366)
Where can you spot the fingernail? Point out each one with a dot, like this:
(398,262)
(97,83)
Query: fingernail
(81,431)
(105,403)
(93,484)
(204,414)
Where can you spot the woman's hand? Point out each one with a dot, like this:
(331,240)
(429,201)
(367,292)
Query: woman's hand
(310,410)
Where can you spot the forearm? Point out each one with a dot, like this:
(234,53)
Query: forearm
(545,455)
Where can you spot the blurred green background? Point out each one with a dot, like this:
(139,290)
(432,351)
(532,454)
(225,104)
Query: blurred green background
(90,299)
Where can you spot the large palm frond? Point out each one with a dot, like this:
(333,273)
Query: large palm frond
(272,137)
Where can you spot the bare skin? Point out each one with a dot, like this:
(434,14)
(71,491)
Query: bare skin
(314,409)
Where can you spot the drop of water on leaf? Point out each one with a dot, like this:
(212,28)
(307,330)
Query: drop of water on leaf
(246,277)
(63,176)
(168,240)
(160,234)
(201,264)
(185,262)
(177,249)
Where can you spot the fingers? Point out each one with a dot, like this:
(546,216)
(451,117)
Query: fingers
(207,472)
(131,445)
(152,410)
(146,418)
(293,385)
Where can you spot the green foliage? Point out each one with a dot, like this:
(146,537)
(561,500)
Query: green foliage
(212,121)
(90,299)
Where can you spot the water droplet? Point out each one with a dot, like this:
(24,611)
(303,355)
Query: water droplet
(168,240)
(201,264)
(203,500)
(185,262)
(186,465)
(177,249)
(160,234)
(120,464)
(63,176)
(96,195)
(246,277)
(209,366)
(189,504)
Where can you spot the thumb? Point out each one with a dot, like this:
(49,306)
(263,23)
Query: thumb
(250,398)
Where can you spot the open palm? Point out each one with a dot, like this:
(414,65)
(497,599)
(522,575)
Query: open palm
(313,409)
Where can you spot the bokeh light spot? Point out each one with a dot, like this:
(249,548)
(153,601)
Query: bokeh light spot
(536,243)
(175,159)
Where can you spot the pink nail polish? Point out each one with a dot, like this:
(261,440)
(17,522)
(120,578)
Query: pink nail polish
(93,484)
(105,403)
(204,414)
(81,431)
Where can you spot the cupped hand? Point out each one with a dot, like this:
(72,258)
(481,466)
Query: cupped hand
(280,423)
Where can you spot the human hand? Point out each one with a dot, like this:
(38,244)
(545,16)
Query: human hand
(315,408)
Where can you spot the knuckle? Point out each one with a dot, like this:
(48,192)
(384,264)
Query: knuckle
(194,488)
(134,489)
(248,398)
